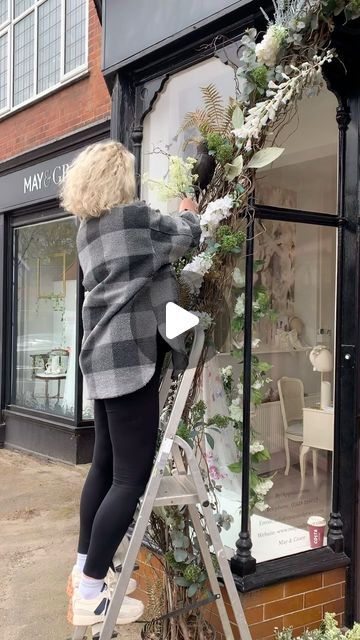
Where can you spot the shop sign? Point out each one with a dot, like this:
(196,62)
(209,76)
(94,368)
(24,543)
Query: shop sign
(168,21)
(34,183)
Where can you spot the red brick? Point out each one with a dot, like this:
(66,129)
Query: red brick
(337,606)
(320,596)
(304,617)
(301,585)
(262,596)
(334,576)
(285,605)
(84,102)
(263,629)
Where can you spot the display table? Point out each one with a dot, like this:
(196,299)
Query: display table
(47,377)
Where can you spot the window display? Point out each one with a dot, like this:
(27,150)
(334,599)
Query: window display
(293,415)
(44,358)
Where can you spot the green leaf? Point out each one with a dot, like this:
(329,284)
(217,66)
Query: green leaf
(192,589)
(235,467)
(237,118)
(180,555)
(181,581)
(264,157)
(234,169)
(210,440)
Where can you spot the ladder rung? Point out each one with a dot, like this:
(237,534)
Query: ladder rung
(176,489)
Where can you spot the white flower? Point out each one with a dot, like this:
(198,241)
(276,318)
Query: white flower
(267,50)
(227,372)
(235,412)
(213,214)
(256,342)
(256,447)
(239,277)
(193,273)
(263,487)
(258,385)
(240,305)
(205,319)
(240,388)
(261,506)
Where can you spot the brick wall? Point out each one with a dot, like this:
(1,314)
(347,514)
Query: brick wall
(84,102)
(298,603)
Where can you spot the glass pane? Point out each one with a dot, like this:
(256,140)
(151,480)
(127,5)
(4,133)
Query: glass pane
(88,405)
(181,94)
(3,70)
(305,176)
(24,59)
(75,21)
(49,26)
(4,13)
(45,317)
(21,5)
(293,412)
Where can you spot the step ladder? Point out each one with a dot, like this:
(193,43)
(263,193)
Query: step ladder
(184,486)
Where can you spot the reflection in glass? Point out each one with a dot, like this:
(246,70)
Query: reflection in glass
(292,409)
(45,273)
(297,268)
(305,176)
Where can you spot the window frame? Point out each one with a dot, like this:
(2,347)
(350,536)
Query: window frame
(65,78)
(129,109)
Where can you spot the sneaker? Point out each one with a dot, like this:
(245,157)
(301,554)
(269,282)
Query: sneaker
(110,579)
(87,612)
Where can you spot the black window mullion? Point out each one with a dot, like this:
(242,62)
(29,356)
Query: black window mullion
(243,563)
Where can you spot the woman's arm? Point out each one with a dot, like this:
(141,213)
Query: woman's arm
(173,236)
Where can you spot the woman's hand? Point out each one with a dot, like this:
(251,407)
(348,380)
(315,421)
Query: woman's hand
(187,204)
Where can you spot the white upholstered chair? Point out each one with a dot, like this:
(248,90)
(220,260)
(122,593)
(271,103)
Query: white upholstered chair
(291,392)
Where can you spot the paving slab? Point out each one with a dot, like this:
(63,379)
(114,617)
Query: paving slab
(39,521)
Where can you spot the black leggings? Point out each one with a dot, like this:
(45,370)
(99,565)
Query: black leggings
(126,430)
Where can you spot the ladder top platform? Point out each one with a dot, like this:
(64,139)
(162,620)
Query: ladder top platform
(176,490)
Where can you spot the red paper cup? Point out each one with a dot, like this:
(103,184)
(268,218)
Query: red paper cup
(316,526)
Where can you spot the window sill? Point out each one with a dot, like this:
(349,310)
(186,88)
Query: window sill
(290,567)
(280,569)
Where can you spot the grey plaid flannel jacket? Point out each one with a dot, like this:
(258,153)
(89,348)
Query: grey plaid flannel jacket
(125,256)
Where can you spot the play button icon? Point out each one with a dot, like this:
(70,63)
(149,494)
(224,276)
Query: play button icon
(178,320)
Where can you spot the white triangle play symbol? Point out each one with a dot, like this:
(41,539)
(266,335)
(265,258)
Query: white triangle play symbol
(178,320)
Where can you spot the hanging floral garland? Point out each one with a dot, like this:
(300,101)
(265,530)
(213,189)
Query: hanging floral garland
(273,73)
(235,139)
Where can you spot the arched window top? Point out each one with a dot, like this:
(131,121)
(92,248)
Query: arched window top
(181,94)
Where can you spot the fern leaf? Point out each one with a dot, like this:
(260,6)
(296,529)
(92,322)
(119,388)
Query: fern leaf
(214,106)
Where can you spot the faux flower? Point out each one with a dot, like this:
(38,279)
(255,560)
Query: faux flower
(261,505)
(193,273)
(205,319)
(235,412)
(263,487)
(268,49)
(214,213)
(240,305)
(256,447)
(179,182)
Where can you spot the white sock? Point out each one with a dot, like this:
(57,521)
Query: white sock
(80,560)
(90,587)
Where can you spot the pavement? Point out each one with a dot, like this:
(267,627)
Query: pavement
(39,507)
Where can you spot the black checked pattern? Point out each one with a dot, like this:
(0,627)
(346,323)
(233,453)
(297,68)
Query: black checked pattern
(126,257)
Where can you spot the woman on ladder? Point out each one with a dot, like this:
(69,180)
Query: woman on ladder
(125,251)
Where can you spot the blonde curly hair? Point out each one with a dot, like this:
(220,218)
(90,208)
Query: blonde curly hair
(101,177)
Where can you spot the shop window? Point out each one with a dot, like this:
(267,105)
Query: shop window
(182,94)
(305,176)
(297,268)
(49,43)
(44,349)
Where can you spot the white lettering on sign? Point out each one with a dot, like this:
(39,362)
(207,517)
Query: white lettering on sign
(43,179)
